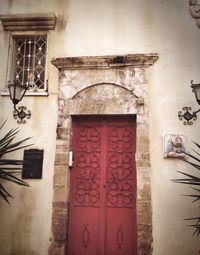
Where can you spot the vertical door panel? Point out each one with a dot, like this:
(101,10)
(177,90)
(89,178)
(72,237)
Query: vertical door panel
(120,188)
(85,189)
(84,229)
(120,231)
(102,187)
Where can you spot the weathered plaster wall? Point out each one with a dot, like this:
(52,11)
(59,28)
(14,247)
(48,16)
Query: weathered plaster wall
(177,38)
(26,224)
(111,27)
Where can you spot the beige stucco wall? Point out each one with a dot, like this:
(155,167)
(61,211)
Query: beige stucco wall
(93,27)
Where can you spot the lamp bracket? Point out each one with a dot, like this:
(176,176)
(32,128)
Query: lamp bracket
(21,114)
(193,84)
(188,116)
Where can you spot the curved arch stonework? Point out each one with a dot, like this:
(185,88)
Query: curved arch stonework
(105,85)
(99,85)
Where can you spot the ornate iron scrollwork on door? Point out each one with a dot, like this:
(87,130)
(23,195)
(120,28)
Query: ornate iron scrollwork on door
(120,237)
(88,165)
(120,165)
(119,191)
(85,236)
(89,139)
(120,139)
(87,192)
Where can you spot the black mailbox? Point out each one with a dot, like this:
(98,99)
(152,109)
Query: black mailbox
(32,166)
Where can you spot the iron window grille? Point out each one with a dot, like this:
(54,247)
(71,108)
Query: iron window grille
(28,54)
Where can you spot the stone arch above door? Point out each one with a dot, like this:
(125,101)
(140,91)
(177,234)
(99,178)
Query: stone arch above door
(106,85)
(102,89)
(100,99)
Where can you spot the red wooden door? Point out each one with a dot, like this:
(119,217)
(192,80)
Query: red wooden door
(103,187)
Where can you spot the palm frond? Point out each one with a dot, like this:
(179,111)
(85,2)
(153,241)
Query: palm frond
(10,167)
(196,225)
(192,164)
(198,145)
(196,152)
(3,124)
(11,133)
(193,196)
(12,178)
(192,156)
(14,146)
(4,194)
(10,162)
(195,189)
(194,182)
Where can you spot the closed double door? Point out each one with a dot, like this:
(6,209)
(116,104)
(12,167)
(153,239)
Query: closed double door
(102,218)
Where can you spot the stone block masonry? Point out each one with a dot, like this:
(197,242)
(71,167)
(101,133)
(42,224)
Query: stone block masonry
(103,85)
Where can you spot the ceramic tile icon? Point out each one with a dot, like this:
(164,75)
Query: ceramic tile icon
(174,146)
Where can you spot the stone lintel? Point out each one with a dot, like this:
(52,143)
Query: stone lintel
(105,62)
(28,22)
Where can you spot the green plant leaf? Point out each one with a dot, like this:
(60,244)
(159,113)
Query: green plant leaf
(198,145)
(3,124)
(12,178)
(4,193)
(192,180)
(10,167)
(11,162)
(192,156)
(193,196)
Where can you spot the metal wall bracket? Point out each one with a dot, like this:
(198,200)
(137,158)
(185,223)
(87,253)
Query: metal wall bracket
(21,114)
(187,116)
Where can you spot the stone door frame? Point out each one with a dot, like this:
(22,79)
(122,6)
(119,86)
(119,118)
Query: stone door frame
(102,85)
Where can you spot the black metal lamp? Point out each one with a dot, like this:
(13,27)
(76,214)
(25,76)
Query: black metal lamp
(17,92)
(196,90)
(189,116)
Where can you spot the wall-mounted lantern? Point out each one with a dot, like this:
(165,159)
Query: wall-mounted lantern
(16,93)
(188,116)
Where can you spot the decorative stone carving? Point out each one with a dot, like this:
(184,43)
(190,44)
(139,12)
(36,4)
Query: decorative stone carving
(105,91)
(194,8)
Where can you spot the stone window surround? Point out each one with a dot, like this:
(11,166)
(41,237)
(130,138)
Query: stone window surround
(126,75)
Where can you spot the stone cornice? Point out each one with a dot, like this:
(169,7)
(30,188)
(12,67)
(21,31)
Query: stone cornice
(105,62)
(194,8)
(28,22)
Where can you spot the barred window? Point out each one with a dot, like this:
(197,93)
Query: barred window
(28,61)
